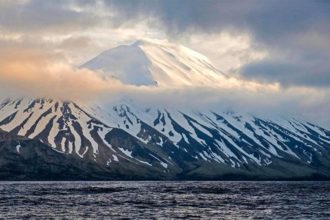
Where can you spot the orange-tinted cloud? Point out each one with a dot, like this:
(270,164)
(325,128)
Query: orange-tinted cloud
(33,72)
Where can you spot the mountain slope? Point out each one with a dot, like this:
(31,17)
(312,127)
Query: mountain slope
(226,138)
(166,143)
(128,140)
(67,128)
(26,159)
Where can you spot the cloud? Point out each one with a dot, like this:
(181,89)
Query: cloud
(285,30)
(35,73)
(291,29)
(300,61)
(43,16)
(313,71)
(228,51)
(261,100)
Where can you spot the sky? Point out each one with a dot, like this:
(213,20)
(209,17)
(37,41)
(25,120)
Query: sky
(277,42)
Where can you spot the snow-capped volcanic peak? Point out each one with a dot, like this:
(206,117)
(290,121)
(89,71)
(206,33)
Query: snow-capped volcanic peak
(154,62)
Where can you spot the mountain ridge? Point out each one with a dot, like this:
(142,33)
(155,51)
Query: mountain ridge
(175,144)
(129,140)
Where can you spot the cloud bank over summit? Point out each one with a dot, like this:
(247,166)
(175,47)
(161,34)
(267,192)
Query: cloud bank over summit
(293,31)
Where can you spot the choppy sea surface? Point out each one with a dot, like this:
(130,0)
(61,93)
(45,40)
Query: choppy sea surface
(165,200)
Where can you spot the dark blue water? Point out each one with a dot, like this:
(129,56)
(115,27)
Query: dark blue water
(165,200)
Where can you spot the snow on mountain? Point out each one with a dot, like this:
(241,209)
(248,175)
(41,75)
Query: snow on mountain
(150,62)
(68,128)
(165,139)
(224,137)
(131,140)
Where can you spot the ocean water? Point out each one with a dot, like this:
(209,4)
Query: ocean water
(165,200)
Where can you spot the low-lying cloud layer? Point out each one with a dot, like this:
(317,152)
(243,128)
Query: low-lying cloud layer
(35,73)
